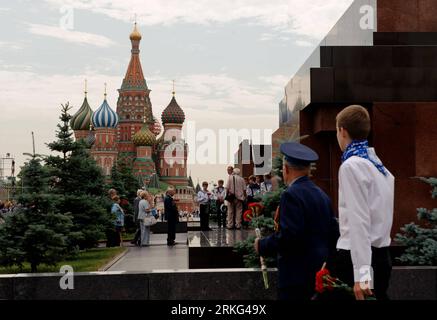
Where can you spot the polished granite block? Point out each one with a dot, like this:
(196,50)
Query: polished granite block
(215,248)
(219,237)
(219,284)
(413,283)
(87,286)
(406,283)
(6,287)
(405,38)
(162,227)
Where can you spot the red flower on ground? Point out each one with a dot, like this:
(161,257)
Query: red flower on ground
(248,215)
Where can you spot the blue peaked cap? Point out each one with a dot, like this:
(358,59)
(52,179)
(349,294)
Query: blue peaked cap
(298,154)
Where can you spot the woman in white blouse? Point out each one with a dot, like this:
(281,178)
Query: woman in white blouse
(144,209)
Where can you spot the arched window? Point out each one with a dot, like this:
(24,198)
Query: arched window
(127,117)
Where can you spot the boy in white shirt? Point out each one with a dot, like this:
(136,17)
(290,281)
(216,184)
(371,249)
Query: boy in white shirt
(366,200)
(203,198)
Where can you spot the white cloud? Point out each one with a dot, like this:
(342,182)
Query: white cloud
(307,18)
(10,45)
(275,81)
(266,37)
(70,36)
(304,43)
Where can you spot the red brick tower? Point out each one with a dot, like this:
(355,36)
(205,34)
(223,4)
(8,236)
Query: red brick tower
(133,101)
(173,150)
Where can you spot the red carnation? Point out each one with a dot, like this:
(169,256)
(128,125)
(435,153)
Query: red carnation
(248,215)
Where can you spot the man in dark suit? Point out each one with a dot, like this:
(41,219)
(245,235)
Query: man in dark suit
(307,230)
(172,215)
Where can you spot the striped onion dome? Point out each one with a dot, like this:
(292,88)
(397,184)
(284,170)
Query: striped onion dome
(82,118)
(144,137)
(105,117)
(155,127)
(173,113)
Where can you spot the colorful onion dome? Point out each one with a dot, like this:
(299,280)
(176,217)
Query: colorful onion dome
(144,137)
(105,117)
(82,118)
(135,35)
(155,127)
(173,113)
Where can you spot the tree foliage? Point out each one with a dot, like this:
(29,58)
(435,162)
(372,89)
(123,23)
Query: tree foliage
(421,240)
(76,176)
(37,232)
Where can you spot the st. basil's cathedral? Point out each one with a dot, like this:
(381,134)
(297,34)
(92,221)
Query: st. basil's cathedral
(131,133)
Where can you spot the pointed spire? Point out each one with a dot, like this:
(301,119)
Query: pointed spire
(134,78)
(135,35)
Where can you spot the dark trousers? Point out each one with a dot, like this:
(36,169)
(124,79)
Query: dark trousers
(221,216)
(342,268)
(117,239)
(204,217)
(137,233)
(171,233)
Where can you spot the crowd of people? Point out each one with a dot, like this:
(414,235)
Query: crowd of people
(228,201)
(145,215)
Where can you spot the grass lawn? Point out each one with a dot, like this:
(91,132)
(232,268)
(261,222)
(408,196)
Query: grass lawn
(88,260)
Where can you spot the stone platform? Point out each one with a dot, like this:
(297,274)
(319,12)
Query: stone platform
(162,227)
(215,248)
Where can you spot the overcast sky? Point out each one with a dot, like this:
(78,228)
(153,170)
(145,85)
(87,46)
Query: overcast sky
(230,58)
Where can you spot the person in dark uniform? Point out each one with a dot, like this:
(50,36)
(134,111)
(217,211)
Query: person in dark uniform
(307,230)
(172,216)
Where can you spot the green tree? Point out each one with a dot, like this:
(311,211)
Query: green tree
(124,181)
(76,176)
(245,248)
(421,240)
(126,184)
(37,232)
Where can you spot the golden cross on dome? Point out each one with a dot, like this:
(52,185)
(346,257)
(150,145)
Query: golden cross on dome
(105,90)
(86,87)
(173,89)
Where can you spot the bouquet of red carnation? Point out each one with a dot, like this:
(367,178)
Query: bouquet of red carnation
(331,288)
(328,286)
